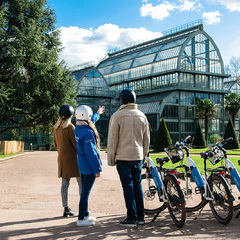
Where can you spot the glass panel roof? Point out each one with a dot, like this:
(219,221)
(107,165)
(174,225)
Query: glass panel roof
(92,83)
(201,55)
(143,60)
(159,55)
(152,107)
(145,56)
(151,103)
(93,79)
(78,74)
(152,98)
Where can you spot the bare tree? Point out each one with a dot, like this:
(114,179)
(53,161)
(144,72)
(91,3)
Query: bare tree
(233,67)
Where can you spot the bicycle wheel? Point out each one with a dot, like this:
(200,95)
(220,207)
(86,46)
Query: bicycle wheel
(150,195)
(221,206)
(235,192)
(176,206)
(192,194)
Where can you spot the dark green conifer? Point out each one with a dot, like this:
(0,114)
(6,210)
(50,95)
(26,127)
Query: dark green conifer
(163,138)
(230,132)
(33,82)
(199,141)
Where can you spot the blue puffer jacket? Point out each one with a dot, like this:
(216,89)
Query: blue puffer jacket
(88,155)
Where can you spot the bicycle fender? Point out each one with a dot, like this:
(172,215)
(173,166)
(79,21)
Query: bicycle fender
(181,194)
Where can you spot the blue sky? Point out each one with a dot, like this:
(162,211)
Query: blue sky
(89,28)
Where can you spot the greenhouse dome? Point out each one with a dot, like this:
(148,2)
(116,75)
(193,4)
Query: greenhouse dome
(169,74)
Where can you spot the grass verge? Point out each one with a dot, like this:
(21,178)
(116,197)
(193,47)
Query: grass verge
(198,160)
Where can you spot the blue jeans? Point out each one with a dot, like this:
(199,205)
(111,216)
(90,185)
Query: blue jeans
(87,183)
(130,177)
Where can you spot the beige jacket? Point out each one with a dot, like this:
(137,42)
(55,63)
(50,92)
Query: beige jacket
(128,135)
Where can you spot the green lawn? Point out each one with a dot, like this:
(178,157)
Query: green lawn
(7,155)
(198,151)
(198,160)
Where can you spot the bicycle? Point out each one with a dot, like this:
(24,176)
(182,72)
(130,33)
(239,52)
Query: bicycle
(230,172)
(202,189)
(161,185)
(191,180)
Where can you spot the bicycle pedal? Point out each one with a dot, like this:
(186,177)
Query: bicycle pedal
(152,190)
(197,190)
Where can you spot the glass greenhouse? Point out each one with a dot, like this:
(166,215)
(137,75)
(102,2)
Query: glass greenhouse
(168,75)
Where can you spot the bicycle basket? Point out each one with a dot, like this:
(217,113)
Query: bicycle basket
(217,157)
(174,154)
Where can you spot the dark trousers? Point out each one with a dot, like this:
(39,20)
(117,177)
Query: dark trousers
(130,177)
(87,183)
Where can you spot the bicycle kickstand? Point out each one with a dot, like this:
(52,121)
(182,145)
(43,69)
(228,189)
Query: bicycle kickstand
(238,215)
(156,215)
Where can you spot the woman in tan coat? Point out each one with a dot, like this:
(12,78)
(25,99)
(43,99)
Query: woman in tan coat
(64,141)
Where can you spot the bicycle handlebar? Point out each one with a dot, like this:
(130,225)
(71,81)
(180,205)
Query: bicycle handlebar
(224,141)
(206,154)
(219,145)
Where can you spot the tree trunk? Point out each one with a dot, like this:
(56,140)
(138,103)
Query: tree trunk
(206,129)
(233,120)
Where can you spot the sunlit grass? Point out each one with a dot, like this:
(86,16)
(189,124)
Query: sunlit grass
(7,155)
(198,160)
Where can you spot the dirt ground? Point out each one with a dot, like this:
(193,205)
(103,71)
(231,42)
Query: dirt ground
(31,207)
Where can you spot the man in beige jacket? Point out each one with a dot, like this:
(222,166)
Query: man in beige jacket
(128,145)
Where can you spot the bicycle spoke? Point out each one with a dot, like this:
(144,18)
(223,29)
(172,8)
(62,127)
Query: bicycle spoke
(150,195)
(176,204)
(221,207)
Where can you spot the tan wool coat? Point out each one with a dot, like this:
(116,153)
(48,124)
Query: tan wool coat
(64,141)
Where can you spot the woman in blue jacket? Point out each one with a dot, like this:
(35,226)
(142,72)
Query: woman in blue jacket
(89,162)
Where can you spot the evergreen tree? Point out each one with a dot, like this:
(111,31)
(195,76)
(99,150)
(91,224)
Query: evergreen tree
(230,132)
(163,138)
(199,141)
(33,83)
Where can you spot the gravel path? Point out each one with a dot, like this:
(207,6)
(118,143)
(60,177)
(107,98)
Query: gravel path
(31,207)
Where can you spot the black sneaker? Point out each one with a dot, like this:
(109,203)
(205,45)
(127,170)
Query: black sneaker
(141,222)
(68,213)
(128,223)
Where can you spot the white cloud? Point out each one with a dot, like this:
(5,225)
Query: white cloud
(158,12)
(163,10)
(231,5)
(212,17)
(84,45)
(187,6)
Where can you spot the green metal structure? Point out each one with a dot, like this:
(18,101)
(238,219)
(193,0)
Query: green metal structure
(169,74)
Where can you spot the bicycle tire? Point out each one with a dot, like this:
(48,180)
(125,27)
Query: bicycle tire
(151,199)
(193,196)
(221,206)
(176,205)
(234,190)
